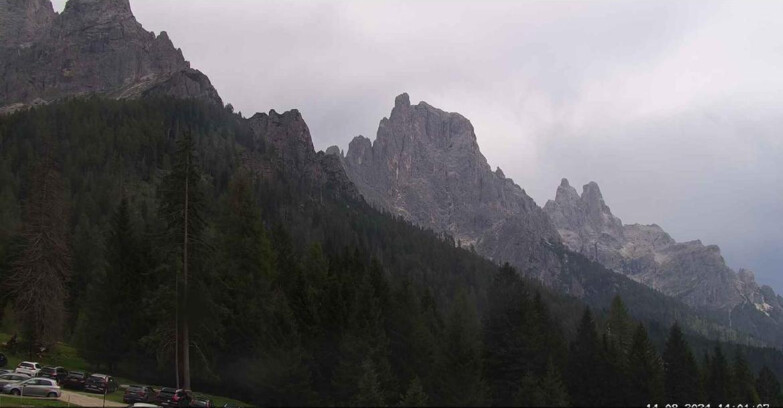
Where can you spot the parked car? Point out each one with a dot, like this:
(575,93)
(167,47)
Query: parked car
(30,368)
(9,378)
(101,383)
(6,370)
(143,405)
(173,397)
(75,380)
(34,387)
(138,393)
(55,373)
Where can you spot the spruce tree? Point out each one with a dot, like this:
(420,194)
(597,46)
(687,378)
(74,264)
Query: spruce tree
(552,388)
(586,365)
(719,387)
(39,275)
(415,395)
(768,387)
(744,383)
(529,393)
(619,326)
(681,373)
(369,393)
(510,331)
(460,360)
(645,381)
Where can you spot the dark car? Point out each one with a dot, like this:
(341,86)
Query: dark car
(55,373)
(101,383)
(173,397)
(138,393)
(75,380)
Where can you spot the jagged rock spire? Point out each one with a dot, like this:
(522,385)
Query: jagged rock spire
(426,166)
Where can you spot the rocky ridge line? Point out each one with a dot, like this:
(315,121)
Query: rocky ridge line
(92,47)
(689,271)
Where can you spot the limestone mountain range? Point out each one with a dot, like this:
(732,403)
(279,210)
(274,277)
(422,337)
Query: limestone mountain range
(92,47)
(425,164)
(693,272)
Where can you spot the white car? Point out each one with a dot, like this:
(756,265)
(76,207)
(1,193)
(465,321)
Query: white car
(28,367)
(34,387)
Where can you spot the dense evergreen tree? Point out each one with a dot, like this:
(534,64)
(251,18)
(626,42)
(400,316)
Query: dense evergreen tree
(744,381)
(38,278)
(681,373)
(645,376)
(619,326)
(415,395)
(112,318)
(768,387)
(586,366)
(719,386)
(553,390)
(460,362)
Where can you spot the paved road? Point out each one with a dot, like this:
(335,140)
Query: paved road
(85,401)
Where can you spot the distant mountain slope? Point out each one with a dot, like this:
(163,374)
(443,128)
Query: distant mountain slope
(426,166)
(690,271)
(92,47)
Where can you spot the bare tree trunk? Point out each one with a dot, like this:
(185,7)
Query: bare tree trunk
(185,339)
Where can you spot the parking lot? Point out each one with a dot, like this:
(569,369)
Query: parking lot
(65,356)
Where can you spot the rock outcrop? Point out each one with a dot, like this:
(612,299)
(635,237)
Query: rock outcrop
(92,47)
(425,165)
(293,153)
(23,21)
(689,271)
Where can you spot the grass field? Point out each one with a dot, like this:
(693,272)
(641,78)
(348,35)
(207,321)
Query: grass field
(10,401)
(66,356)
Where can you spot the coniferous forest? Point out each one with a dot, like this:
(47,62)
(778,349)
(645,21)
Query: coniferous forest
(294,294)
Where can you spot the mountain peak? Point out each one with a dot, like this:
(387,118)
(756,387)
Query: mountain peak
(592,193)
(90,11)
(566,193)
(426,166)
(402,100)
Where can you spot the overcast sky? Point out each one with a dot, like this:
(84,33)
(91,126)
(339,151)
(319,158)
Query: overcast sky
(674,108)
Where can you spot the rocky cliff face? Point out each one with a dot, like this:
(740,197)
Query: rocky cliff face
(688,271)
(289,137)
(92,47)
(23,21)
(426,166)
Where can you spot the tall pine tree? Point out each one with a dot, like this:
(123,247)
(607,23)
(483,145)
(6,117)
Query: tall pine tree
(744,383)
(768,387)
(681,373)
(586,366)
(645,380)
(719,386)
(460,363)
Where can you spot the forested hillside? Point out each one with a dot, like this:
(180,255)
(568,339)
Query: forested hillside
(298,293)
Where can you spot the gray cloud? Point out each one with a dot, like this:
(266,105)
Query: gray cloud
(674,108)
